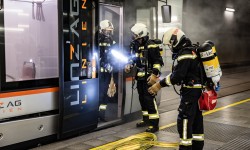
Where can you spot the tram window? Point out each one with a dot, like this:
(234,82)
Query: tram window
(31,39)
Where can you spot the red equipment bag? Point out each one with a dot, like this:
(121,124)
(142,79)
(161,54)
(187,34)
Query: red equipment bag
(208,100)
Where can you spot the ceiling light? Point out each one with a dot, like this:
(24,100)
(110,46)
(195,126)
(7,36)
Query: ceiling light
(230,9)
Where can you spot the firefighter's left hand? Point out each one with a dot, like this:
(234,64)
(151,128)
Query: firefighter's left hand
(154,88)
(152,79)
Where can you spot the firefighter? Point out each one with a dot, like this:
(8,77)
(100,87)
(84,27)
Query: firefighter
(148,62)
(188,74)
(105,42)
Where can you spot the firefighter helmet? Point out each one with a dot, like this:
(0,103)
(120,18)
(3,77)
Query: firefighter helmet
(139,30)
(172,37)
(106,27)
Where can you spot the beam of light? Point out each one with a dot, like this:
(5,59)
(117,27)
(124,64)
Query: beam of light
(230,9)
(119,56)
(95,55)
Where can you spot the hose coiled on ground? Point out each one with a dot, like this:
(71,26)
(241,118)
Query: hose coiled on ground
(141,141)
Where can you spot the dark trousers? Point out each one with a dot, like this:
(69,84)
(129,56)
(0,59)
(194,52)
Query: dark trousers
(148,102)
(103,87)
(190,120)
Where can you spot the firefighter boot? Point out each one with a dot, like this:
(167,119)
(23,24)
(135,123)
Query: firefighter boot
(154,125)
(102,116)
(143,123)
(152,129)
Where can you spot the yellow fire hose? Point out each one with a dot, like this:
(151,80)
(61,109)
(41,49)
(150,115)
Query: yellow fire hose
(141,141)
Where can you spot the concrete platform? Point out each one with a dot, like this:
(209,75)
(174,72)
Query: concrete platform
(226,128)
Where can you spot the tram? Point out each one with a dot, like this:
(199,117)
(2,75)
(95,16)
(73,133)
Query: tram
(49,83)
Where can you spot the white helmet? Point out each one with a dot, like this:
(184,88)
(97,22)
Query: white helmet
(106,25)
(139,30)
(173,37)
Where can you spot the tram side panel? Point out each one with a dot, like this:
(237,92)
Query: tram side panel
(22,119)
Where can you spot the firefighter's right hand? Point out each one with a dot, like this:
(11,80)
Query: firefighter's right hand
(127,68)
(152,79)
(154,88)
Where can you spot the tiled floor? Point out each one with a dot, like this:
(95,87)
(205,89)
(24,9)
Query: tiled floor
(227,128)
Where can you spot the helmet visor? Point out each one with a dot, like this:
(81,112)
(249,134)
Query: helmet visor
(108,32)
(135,36)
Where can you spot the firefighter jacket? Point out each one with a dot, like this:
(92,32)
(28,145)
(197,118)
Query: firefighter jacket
(105,45)
(147,58)
(187,72)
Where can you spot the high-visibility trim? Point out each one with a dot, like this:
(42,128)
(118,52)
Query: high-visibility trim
(161,52)
(198,137)
(102,107)
(195,86)
(187,56)
(156,115)
(186,142)
(145,113)
(153,45)
(141,74)
(137,54)
(153,116)
(141,48)
(141,55)
(156,108)
(102,69)
(150,127)
(167,80)
(104,44)
(157,66)
(184,134)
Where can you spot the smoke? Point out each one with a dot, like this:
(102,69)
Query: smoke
(200,20)
(206,19)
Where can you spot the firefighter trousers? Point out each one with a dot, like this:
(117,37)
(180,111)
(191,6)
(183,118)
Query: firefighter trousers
(190,120)
(104,80)
(148,103)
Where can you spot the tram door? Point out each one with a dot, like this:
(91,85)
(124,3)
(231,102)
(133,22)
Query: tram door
(110,79)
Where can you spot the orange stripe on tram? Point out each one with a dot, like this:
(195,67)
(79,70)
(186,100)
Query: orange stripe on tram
(28,92)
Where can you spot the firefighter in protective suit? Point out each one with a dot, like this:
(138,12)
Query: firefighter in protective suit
(105,42)
(186,73)
(148,62)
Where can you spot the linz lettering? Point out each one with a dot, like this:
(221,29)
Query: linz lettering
(84,61)
(84,26)
(83,5)
(74,11)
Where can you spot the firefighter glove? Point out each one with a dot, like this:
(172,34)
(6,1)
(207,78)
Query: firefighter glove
(152,79)
(127,68)
(112,88)
(154,88)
